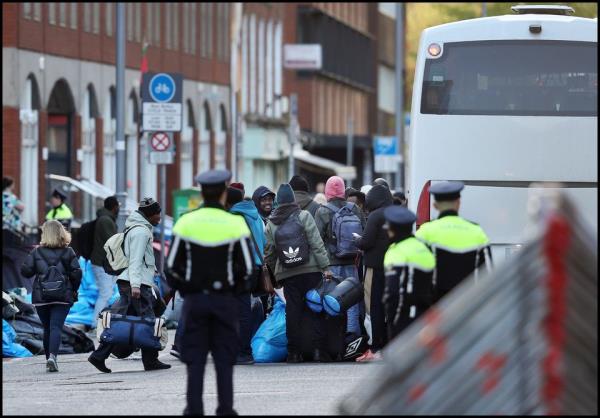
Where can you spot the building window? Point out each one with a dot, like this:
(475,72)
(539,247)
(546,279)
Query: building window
(96,15)
(186,27)
(62,14)
(223,33)
(168,43)
(37,11)
(73,15)
(175,15)
(52,13)
(138,22)
(226,30)
(129,22)
(87,17)
(193,28)
(206,28)
(157,24)
(26,10)
(109,19)
(149,21)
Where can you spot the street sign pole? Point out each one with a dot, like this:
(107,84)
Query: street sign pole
(163,199)
(120,93)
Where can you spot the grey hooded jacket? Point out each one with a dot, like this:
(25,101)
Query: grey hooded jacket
(138,250)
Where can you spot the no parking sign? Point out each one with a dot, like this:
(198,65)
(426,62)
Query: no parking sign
(161,149)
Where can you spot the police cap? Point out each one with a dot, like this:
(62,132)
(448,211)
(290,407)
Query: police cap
(213,177)
(60,195)
(446,190)
(399,215)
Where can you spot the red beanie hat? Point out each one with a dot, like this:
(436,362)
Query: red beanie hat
(335,188)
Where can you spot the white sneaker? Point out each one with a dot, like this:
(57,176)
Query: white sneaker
(51,365)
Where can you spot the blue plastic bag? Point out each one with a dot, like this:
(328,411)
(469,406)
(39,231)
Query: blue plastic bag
(9,347)
(269,344)
(82,311)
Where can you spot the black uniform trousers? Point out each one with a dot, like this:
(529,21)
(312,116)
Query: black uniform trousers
(378,317)
(126,305)
(211,323)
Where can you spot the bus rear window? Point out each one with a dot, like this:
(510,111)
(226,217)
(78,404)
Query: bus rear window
(528,78)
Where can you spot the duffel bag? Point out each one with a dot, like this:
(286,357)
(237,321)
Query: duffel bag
(314,297)
(346,294)
(132,330)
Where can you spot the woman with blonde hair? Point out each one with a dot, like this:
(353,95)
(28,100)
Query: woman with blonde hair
(57,276)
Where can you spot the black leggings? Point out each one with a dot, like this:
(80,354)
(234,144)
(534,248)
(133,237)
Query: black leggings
(53,318)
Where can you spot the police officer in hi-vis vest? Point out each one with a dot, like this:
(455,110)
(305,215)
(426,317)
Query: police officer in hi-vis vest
(460,246)
(210,261)
(60,211)
(409,267)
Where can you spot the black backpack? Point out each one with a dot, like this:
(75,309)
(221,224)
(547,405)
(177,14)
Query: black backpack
(86,239)
(53,284)
(291,243)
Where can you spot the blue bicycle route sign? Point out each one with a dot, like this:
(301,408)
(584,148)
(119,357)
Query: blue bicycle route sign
(161,102)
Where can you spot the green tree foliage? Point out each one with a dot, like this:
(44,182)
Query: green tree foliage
(420,16)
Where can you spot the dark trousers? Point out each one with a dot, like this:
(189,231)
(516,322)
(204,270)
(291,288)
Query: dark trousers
(211,324)
(298,315)
(52,318)
(245,315)
(126,305)
(378,326)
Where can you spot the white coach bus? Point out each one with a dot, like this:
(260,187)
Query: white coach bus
(501,102)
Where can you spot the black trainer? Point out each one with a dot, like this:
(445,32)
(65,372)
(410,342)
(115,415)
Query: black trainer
(294,358)
(244,359)
(320,356)
(157,365)
(99,364)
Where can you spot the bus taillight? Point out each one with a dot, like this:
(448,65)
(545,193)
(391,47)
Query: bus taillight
(423,211)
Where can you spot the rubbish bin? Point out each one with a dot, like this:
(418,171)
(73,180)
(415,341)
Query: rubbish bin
(185,200)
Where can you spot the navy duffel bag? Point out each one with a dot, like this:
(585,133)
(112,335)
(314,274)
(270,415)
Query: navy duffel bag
(131,330)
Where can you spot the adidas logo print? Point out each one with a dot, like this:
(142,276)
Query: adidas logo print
(291,255)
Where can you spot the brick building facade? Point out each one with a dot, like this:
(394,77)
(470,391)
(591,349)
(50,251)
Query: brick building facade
(58,102)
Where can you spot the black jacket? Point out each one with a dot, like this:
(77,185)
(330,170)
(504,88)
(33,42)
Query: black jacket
(106,227)
(35,265)
(374,241)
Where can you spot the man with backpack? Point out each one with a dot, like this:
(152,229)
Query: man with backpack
(300,186)
(296,253)
(104,227)
(136,280)
(339,223)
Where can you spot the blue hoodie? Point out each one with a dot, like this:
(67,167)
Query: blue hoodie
(248,210)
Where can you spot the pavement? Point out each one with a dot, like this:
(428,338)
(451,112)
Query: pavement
(259,389)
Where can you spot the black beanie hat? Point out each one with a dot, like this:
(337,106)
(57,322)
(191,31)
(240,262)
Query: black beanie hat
(234,195)
(299,183)
(149,207)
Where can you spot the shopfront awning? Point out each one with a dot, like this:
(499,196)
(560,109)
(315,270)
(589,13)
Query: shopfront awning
(327,165)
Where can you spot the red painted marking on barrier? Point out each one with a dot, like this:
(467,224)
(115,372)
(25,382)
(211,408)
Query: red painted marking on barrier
(492,365)
(416,392)
(430,338)
(556,243)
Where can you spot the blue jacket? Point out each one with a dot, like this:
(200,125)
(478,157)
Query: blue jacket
(248,210)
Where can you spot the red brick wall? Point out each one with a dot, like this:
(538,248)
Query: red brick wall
(77,44)
(11,144)
(9,24)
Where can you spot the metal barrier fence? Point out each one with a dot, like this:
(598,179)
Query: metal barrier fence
(523,340)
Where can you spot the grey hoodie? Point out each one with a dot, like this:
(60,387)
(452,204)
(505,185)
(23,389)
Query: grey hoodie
(138,249)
